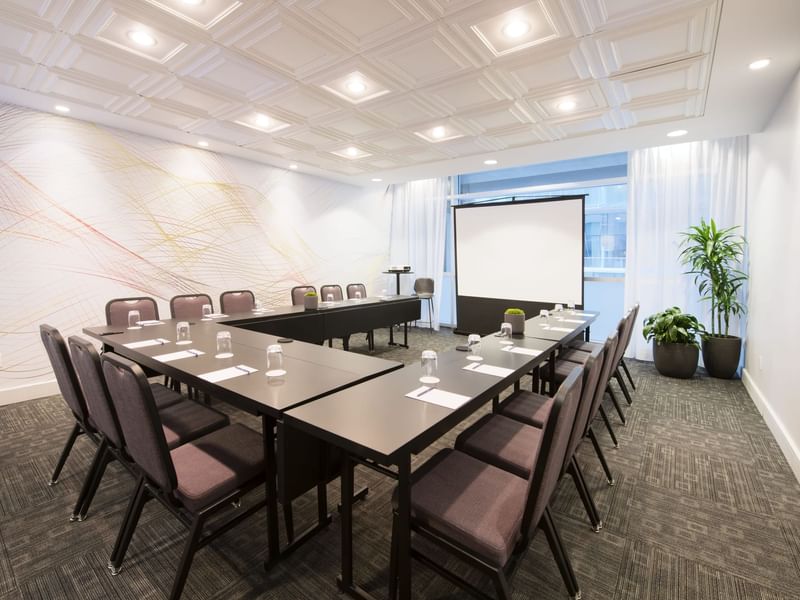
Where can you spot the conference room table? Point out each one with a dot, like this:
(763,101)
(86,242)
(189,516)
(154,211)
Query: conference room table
(312,372)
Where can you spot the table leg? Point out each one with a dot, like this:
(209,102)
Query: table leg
(346,578)
(404,527)
(397,275)
(586,336)
(552,384)
(271,491)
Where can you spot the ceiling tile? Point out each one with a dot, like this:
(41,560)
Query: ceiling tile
(119,29)
(465,93)
(404,111)
(679,77)
(303,103)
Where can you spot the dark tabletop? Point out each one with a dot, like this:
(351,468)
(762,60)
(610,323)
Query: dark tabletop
(550,329)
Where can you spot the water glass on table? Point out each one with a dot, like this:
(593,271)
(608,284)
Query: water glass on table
(275,361)
(224,346)
(474,343)
(133,319)
(430,367)
(183,333)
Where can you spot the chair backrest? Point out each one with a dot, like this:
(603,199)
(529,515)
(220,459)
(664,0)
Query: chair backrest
(352,288)
(423,285)
(118,308)
(237,301)
(333,289)
(633,314)
(189,306)
(299,292)
(552,448)
(592,369)
(64,371)
(90,374)
(609,352)
(622,331)
(144,437)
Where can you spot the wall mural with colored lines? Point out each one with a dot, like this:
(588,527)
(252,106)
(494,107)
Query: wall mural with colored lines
(89,213)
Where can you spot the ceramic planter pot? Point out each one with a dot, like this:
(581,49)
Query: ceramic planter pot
(721,355)
(517,323)
(311,302)
(676,360)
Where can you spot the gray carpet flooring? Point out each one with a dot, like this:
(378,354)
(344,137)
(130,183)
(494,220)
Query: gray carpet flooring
(705,507)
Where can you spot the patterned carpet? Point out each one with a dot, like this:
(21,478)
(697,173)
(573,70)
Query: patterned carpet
(705,507)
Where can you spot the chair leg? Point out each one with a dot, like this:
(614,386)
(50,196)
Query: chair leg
(73,435)
(560,554)
(616,405)
(129,524)
(188,555)
(622,386)
(393,560)
(609,427)
(574,470)
(288,519)
(501,585)
(371,341)
(430,313)
(91,483)
(602,457)
(627,372)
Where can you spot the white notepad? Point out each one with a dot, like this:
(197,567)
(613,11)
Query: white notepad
(146,343)
(583,314)
(518,350)
(488,369)
(574,321)
(216,315)
(190,353)
(151,322)
(228,373)
(437,396)
(564,329)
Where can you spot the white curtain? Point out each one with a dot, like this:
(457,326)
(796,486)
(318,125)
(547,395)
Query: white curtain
(671,188)
(419,217)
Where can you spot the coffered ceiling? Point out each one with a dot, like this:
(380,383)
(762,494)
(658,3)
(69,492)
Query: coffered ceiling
(360,89)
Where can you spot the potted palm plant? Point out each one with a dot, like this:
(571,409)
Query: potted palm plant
(714,256)
(675,347)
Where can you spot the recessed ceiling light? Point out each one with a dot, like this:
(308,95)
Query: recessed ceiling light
(61,108)
(203,143)
(293,167)
(352,151)
(377,179)
(516,29)
(356,86)
(567,105)
(759,64)
(490,161)
(677,133)
(262,120)
(142,38)
(438,132)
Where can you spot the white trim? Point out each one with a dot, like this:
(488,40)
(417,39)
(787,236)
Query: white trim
(29,391)
(572,185)
(790,450)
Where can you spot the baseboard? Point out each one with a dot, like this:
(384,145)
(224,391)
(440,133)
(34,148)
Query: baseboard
(29,391)
(790,450)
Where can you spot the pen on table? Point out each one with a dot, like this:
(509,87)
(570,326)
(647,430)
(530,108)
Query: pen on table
(194,353)
(425,392)
(248,371)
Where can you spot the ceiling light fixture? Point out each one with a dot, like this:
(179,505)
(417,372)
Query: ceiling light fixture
(677,133)
(356,86)
(490,161)
(352,151)
(567,105)
(438,132)
(377,179)
(293,167)
(203,143)
(262,120)
(141,38)
(515,29)
(759,64)
(61,108)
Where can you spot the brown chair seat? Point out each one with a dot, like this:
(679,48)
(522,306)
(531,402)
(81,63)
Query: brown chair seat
(187,421)
(470,502)
(503,442)
(527,407)
(575,356)
(585,346)
(216,464)
(164,396)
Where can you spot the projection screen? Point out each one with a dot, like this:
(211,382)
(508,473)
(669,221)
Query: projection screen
(527,254)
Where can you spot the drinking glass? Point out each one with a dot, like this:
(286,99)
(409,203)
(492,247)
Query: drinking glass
(329,298)
(559,307)
(133,319)
(182,333)
(505,334)
(430,367)
(474,343)
(275,361)
(358,294)
(259,306)
(206,310)
(224,348)
(571,308)
(545,315)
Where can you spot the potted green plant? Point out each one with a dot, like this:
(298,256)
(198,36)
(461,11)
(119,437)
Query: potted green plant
(311,300)
(714,256)
(515,316)
(675,347)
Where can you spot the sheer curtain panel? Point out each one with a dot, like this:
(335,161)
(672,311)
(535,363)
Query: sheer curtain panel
(418,230)
(671,188)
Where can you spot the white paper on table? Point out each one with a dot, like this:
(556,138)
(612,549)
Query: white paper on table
(518,350)
(437,396)
(228,373)
(151,322)
(216,315)
(573,321)
(564,329)
(146,343)
(488,369)
(190,353)
(262,310)
(583,314)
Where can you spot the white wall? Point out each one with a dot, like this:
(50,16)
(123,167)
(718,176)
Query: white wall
(89,213)
(773,332)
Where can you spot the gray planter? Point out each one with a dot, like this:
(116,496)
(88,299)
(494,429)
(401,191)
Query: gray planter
(517,323)
(676,360)
(311,302)
(721,355)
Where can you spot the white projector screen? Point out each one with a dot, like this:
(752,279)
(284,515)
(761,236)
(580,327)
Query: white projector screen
(526,251)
